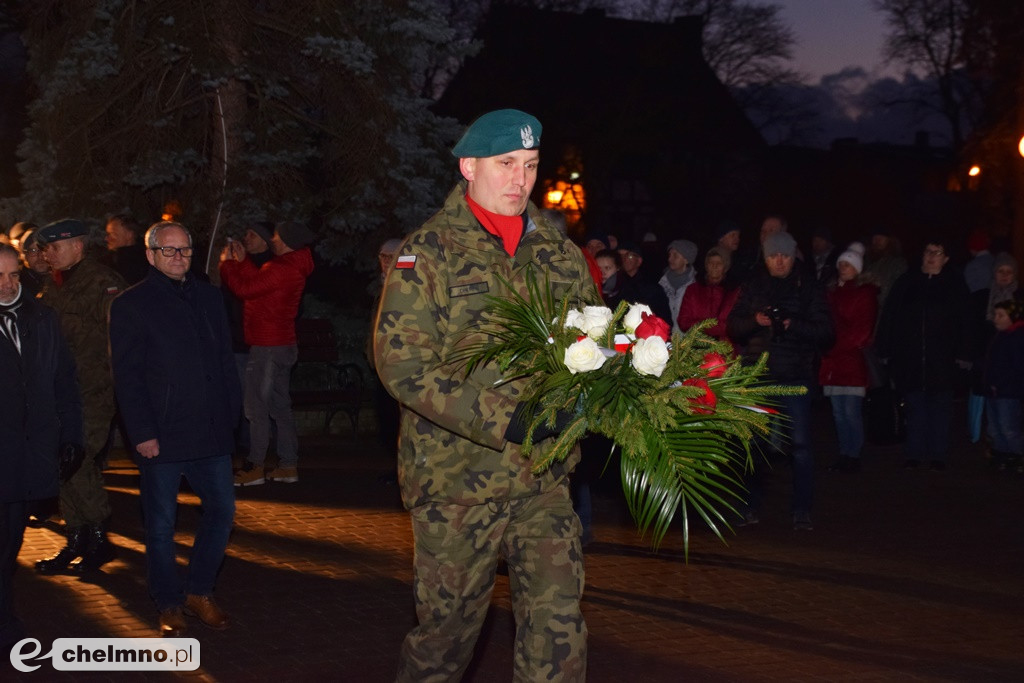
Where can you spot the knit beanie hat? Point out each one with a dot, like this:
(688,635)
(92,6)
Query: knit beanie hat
(857,247)
(1004,259)
(1013,309)
(853,258)
(721,253)
(780,243)
(685,247)
(295,235)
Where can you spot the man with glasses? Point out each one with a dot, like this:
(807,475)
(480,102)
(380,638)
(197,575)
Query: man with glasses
(923,334)
(36,271)
(175,377)
(81,293)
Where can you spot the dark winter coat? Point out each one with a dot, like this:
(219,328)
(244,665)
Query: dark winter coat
(793,352)
(854,309)
(174,371)
(1004,363)
(40,406)
(924,330)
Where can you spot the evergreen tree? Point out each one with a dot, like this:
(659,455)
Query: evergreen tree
(308,110)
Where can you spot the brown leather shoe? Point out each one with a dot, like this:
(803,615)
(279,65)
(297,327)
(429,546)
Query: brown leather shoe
(206,610)
(172,622)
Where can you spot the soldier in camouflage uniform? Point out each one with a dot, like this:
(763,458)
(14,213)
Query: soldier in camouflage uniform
(460,466)
(81,294)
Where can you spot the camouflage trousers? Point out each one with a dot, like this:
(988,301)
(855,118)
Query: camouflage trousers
(457,549)
(83,500)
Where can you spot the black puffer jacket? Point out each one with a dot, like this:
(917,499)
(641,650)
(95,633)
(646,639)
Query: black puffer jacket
(925,328)
(793,352)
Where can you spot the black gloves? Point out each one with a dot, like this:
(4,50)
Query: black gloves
(69,458)
(516,431)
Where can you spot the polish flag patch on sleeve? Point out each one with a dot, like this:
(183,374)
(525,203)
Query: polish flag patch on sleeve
(406,261)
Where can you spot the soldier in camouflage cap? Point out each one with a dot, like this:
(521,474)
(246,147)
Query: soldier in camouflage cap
(460,464)
(81,294)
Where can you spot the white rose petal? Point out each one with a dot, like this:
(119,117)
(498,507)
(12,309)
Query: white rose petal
(650,356)
(583,356)
(574,319)
(596,320)
(634,316)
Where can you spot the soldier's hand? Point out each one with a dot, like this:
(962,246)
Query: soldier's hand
(149,449)
(69,459)
(520,423)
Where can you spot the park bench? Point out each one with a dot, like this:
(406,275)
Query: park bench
(319,382)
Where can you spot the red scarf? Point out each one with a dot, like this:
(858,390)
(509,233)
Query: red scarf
(509,229)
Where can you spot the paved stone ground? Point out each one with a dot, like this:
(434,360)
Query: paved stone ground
(907,576)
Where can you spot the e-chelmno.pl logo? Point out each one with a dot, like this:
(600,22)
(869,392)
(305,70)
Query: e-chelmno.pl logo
(109,654)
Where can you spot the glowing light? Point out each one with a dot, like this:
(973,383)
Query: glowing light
(554,197)
(975,171)
(1020,146)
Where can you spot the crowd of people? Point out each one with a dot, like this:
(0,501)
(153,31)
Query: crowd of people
(142,342)
(134,339)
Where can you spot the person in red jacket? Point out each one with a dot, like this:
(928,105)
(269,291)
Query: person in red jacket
(710,296)
(844,374)
(270,298)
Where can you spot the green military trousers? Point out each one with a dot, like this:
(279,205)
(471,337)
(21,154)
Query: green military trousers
(457,550)
(83,500)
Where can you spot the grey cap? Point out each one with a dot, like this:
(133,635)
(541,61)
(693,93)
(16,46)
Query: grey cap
(780,243)
(685,247)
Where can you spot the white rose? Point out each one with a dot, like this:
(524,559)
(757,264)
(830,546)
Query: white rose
(650,356)
(583,356)
(574,319)
(595,320)
(634,316)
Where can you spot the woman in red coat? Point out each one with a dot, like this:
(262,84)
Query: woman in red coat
(709,296)
(844,373)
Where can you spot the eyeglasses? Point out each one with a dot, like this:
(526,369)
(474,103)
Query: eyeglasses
(934,252)
(33,250)
(169,252)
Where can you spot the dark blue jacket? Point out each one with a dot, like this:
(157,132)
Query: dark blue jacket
(40,406)
(174,371)
(1004,364)
(924,329)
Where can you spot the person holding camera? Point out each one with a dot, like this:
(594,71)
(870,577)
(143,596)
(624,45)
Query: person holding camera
(784,312)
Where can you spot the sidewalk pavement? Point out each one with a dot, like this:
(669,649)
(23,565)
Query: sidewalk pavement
(908,575)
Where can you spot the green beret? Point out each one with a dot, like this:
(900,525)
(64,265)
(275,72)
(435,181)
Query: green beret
(62,230)
(499,132)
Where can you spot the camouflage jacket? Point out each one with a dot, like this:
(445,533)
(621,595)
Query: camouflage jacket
(83,302)
(451,441)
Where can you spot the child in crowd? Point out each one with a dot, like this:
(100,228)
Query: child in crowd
(1004,385)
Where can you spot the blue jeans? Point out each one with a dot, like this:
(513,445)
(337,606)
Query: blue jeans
(928,421)
(797,423)
(848,413)
(1004,425)
(211,479)
(267,378)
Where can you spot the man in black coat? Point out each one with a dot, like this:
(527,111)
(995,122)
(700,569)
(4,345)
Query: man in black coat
(924,333)
(176,383)
(783,311)
(40,417)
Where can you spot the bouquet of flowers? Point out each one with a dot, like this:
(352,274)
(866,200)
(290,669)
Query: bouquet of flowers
(680,410)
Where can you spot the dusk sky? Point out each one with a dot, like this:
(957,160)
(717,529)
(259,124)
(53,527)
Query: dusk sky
(833,34)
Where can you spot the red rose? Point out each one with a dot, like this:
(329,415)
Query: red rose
(653,326)
(708,399)
(715,364)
